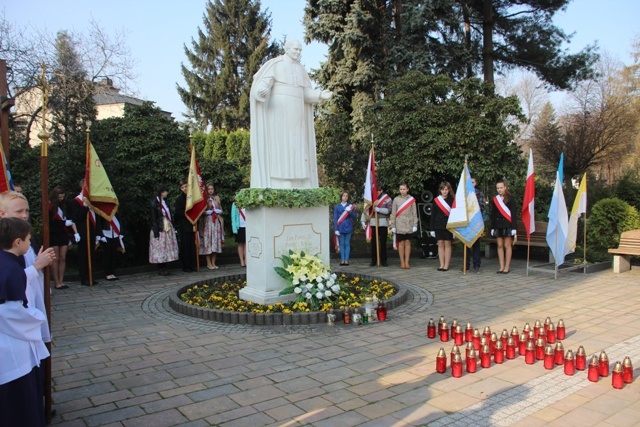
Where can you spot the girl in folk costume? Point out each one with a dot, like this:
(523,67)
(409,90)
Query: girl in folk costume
(239,228)
(403,223)
(439,219)
(60,230)
(163,245)
(344,216)
(212,228)
(503,224)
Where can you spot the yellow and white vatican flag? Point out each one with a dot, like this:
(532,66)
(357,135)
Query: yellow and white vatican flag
(579,207)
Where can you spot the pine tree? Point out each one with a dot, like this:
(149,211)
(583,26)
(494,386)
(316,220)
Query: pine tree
(71,101)
(228,52)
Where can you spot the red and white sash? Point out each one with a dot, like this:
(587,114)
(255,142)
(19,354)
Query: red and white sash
(81,202)
(443,205)
(504,210)
(369,230)
(403,207)
(115,226)
(165,211)
(345,213)
(242,214)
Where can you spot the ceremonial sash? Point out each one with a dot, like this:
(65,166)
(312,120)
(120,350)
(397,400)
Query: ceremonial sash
(345,213)
(241,211)
(78,199)
(369,230)
(115,226)
(214,216)
(504,210)
(443,205)
(165,211)
(403,207)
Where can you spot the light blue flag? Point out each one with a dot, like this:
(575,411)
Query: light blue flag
(465,219)
(558,228)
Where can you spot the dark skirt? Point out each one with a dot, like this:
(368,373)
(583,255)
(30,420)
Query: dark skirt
(443,235)
(241,237)
(401,237)
(21,402)
(503,232)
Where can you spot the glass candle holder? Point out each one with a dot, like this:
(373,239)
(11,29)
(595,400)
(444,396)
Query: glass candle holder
(617,380)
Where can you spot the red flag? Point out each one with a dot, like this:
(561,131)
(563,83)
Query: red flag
(97,191)
(370,191)
(196,199)
(528,211)
(5,174)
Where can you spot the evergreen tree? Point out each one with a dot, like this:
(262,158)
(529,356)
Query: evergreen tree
(71,101)
(229,51)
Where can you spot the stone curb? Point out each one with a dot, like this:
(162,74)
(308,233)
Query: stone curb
(270,319)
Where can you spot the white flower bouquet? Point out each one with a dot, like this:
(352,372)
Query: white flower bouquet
(311,280)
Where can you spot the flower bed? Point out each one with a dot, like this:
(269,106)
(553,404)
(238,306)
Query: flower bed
(217,300)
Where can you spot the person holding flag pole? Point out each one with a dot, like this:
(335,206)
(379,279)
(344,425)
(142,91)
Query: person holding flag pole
(528,206)
(375,215)
(189,207)
(96,197)
(403,223)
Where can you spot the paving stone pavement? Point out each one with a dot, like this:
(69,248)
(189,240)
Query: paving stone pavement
(122,357)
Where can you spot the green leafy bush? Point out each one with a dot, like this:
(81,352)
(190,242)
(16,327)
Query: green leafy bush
(610,218)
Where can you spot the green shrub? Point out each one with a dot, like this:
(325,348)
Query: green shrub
(609,218)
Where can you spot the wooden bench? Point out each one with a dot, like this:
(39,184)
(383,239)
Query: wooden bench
(538,238)
(629,245)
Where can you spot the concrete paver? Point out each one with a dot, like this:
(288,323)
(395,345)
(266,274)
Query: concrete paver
(122,357)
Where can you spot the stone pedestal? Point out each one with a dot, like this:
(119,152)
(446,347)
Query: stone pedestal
(272,232)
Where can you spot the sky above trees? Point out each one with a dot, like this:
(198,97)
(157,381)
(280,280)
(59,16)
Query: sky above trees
(157,41)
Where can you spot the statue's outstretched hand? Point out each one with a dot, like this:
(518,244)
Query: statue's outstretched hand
(326,94)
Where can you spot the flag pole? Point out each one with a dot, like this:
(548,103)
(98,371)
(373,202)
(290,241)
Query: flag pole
(88,218)
(528,253)
(375,213)
(44,190)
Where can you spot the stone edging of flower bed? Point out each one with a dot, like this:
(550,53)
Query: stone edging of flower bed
(270,319)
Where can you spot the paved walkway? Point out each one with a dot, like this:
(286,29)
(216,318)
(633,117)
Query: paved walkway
(121,357)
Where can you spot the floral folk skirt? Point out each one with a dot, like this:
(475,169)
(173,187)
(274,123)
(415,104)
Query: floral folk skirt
(164,248)
(212,236)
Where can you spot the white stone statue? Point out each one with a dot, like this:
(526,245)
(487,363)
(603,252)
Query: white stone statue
(283,142)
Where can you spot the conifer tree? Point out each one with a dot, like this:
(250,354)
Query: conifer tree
(229,50)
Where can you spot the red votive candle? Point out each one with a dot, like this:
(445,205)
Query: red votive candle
(485,356)
(627,370)
(540,349)
(456,366)
(515,336)
(548,357)
(381,311)
(444,333)
(487,333)
(547,321)
(604,364)
(441,361)
(569,363)
(558,354)
(551,333)
(526,329)
(472,362)
(454,325)
(459,335)
(492,342)
(530,354)
(454,350)
(542,334)
(440,322)
(468,333)
(593,373)
(581,359)
(560,330)
(476,339)
(498,353)
(510,351)
(468,349)
(431,329)
(522,346)
(536,328)
(617,380)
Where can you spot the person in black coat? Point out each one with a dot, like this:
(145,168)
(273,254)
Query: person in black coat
(80,214)
(439,219)
(503,225)
(186,234)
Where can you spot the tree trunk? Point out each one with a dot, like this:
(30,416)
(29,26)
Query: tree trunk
(467,36)
(487,41)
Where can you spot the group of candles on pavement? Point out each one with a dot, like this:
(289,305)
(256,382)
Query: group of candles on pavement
(533,343)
